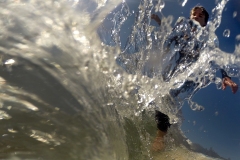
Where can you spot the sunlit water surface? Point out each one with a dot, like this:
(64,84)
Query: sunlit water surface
(70,90)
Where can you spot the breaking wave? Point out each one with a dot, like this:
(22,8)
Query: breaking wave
(72,88)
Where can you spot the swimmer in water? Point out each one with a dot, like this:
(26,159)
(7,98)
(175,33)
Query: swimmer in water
(200,15)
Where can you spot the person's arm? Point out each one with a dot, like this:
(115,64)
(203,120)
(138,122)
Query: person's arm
(226,81)
(156,18)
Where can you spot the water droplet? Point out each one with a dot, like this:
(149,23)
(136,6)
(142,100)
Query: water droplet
(12,130)
(218,83)
(234,14)
(182,2)
(201,38)
(226,33)
(194,123)
(216,42)
(159,6)
(177,47)
(233,71)
(10,62)
(191,44)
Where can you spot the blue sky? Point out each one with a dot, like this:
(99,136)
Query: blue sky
(218,125)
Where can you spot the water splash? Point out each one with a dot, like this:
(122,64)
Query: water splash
(159,5)
(65,90)
(226,33)
(118,20)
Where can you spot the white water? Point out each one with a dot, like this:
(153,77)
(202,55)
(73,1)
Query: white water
(63,95)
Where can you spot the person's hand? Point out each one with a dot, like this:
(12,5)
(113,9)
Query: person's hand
(228,82)
(156,18)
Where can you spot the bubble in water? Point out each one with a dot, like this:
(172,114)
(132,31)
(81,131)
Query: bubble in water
(226,33)
(234,14)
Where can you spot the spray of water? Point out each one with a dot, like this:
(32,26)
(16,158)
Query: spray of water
(71,90)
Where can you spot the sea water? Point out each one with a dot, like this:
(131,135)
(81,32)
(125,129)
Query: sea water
(70,88)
